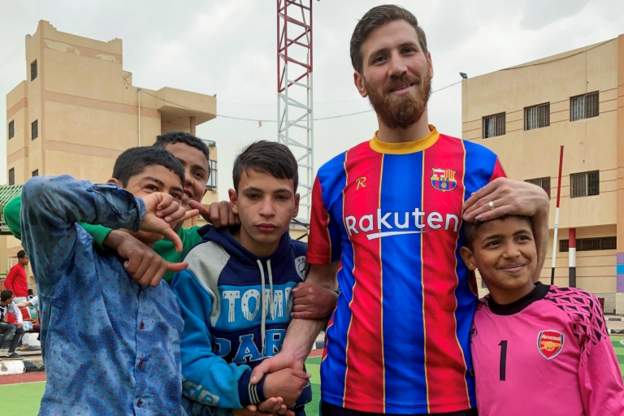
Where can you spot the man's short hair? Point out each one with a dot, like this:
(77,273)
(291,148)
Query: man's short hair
(375,18)
(182,137)
(134,160)
(6,295)
(268,157)
(21,254)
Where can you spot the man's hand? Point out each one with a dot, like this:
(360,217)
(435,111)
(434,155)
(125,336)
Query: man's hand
(271,406)
(218,214)
(278,362)
(141,262)
(162,212)
(287,383)
(504,196)
(312,301)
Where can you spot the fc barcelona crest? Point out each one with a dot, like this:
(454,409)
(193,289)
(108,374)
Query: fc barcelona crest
(549,343)
(443,179)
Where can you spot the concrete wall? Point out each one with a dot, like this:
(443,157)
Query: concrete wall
(590,144)
(88,110)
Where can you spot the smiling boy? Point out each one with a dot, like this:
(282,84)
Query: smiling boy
(537,349)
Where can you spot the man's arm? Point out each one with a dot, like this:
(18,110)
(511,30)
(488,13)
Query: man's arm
(504,196)
(301,333)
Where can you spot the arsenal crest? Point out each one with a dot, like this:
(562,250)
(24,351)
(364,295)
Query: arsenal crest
(443,179)
(549,343)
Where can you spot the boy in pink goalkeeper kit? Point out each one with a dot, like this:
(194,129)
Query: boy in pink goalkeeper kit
(537,349)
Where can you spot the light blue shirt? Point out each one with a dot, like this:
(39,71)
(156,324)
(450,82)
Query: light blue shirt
(110,347)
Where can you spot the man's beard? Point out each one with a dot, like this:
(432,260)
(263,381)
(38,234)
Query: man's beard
(402,111)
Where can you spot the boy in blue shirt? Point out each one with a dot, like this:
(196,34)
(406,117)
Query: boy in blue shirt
(109,345)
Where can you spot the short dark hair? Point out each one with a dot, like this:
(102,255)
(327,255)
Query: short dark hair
(21,254)
(6,295)
(182,137)
(375,18)
(134,160)
(469,229)
(264,156)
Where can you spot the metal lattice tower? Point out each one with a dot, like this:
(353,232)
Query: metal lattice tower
(294,91)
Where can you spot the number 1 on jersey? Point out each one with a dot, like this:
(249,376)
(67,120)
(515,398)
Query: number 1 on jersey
(503,359)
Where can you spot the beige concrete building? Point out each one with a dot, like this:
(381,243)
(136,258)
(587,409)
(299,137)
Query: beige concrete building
(78,110)
(574,99)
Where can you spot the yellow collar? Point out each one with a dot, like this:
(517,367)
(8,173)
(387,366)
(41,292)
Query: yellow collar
(402,148)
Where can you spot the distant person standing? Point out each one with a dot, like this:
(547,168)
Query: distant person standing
(16,281)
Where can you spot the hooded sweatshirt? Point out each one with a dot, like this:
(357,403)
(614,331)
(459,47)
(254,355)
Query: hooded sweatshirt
(236,308)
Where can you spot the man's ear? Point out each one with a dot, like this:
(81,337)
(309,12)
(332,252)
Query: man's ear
(115,181)
(295,211)
(358,80)
(233,200)
(468,258)
(430,64)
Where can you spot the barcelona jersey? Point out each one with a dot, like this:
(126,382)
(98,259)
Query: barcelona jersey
(390,214)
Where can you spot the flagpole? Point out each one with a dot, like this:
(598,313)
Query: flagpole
(553,263)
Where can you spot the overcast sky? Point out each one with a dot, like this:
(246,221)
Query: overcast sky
(228,48)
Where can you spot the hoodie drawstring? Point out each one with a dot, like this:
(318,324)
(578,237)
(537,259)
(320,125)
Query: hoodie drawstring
(263,316)
(262,299)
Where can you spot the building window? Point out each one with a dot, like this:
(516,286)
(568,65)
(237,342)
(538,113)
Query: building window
(33,70)
(493,125)
(585,184)
(543,183)
(590,244)
(12,176)
(35,172)
(537,116)
(11,129)
(212,179)
(34,129)
(584,106)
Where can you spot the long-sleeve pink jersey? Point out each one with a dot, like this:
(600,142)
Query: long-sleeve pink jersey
(545,354)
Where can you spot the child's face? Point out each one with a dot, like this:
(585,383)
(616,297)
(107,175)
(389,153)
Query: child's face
(504,252)
(154,178)
(265,206)
(196,169)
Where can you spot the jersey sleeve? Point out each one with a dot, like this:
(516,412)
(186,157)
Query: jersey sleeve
(498,171)
(600,379)
(320,244)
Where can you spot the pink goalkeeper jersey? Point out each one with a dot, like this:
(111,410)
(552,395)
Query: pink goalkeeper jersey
(545,354)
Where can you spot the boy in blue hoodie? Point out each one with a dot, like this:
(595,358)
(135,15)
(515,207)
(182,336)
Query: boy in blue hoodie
(235,296)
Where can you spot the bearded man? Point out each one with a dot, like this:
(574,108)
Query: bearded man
(386,220)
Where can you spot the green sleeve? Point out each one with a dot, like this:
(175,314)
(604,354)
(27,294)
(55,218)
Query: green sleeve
(98,232)
(165,249)
(12,211)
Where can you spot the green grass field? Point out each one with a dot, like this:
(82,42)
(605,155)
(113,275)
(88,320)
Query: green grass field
(23,399)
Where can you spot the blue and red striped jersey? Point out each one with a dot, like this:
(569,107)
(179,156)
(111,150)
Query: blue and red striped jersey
(398,341)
